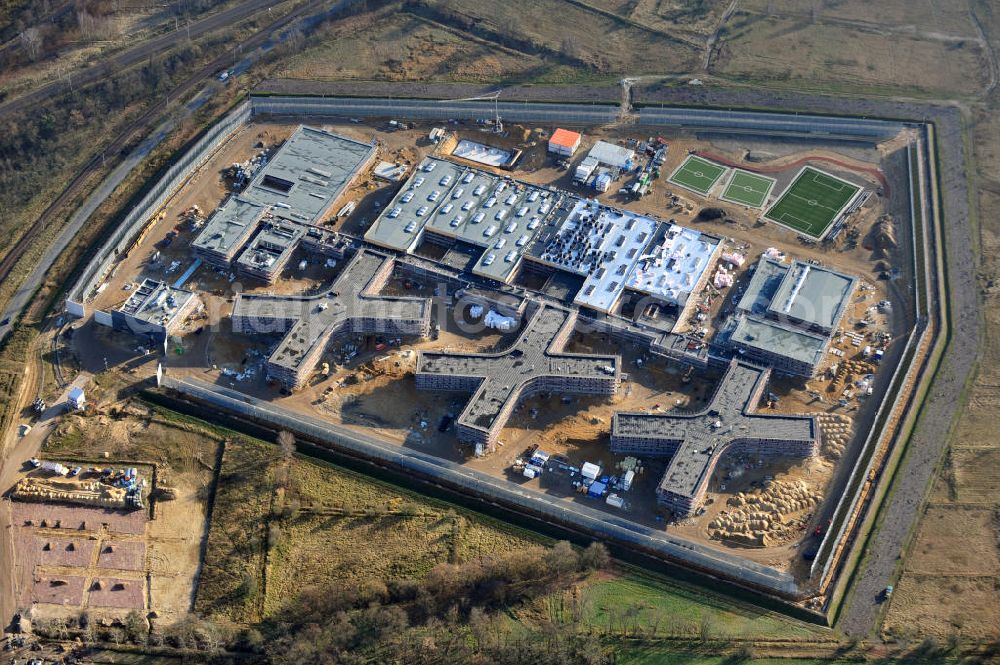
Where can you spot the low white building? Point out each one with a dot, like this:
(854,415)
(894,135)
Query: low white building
(77,400)
(610,154)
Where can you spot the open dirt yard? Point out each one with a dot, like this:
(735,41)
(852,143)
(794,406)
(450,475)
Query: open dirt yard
(163,551)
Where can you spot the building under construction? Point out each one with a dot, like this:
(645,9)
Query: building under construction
(533,364)
(351,305)
(787,315)
(154,309)
(696,441)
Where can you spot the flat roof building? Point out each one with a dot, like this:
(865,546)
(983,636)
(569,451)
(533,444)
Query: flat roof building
(787,349)
(611,249)
(269,251)
(564,142)
(675,265)
(227,230)
(801,294)
(534,363)
(695,441)
(612,155)
(351,305)
(788,314)
(444,201)
(310,172)
(154,309)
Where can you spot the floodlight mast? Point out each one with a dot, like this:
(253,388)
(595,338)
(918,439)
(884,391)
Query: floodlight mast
(495,96)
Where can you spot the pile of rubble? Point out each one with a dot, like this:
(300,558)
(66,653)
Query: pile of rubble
(836,430)
(847,371)
(758,519)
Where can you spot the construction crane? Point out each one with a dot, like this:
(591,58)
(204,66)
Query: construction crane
(494,96)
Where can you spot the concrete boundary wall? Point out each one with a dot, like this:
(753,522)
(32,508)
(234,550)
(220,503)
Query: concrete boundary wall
(579,114)
(758,122)
(864,467)
(808,126)
(581,518)
(123,237)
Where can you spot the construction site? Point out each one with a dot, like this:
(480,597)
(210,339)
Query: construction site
(538,305)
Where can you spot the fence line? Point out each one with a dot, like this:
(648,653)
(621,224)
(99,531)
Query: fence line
(139,216)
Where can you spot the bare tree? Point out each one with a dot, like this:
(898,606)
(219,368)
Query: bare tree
(31,40)
(569,47)
(287,444)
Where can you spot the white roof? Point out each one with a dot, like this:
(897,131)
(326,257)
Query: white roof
(611,154)
(590,470)
(674,266)
(76,393)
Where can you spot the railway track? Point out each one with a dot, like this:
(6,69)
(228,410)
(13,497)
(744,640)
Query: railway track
(76,185)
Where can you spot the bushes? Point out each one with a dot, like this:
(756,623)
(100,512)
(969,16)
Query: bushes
(342,622)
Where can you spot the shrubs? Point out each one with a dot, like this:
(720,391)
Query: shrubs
(340,621)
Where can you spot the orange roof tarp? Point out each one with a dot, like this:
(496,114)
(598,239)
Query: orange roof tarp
(565,138)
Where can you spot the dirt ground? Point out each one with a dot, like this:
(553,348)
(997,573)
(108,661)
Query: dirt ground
(141,563)
(375,390)
(849,55)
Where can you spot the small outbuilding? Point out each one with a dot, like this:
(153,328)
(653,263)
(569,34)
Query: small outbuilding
(590,471)
(77,399)
(564,142)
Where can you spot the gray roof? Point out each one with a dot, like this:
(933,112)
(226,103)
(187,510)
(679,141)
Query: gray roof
(308,173)
(155,302)
(230,225)
(777,338)
(503,374)
(272,246)
(763,285)
(611,154)
(813,294)
(700,436)
(316,316)
(802,293)
(459,210)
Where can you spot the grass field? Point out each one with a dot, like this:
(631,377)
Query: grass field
(697,174)
(748,189)
(812,202)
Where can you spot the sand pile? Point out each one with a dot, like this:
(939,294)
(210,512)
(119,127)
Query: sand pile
(759,519)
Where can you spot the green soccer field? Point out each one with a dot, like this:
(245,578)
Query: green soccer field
(812,202)
(697,174)
(748,189)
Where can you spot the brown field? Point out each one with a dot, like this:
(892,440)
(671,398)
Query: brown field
(267,543)
(938,17)
(122,555)
(944,605)
(404,47)
(587,37)
(822,57)
(959,539)
(118,593)
(951,579)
